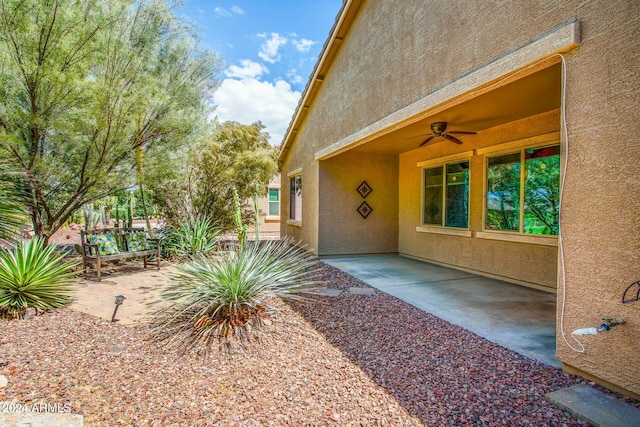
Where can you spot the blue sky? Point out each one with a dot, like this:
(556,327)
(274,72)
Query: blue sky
(269,48)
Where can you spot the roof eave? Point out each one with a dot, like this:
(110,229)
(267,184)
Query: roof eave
(341,25)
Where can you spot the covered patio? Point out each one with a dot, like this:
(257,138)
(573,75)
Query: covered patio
(372,170)
(519,318)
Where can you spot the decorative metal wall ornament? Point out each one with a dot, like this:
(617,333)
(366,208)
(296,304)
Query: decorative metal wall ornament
(364,189)
(364,210)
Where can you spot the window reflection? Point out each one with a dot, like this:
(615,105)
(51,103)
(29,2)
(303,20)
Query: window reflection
(537,210)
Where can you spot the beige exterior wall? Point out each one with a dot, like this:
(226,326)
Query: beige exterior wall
(396,53)
(343,229)
(600,220)
(306,232)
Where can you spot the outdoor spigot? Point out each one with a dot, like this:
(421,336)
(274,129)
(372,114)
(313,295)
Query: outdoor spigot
(609,323)
(119,300)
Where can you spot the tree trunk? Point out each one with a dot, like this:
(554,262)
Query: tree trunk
(144,207)
(140,177)
(36,221)
(131,202)
(256,213)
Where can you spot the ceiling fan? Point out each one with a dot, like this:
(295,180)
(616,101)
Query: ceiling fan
(440,129)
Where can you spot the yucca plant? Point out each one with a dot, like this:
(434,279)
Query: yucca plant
(33,274)
(213,299)
(199,237)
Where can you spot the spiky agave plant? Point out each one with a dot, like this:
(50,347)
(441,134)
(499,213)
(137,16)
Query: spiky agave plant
(192,238)
(213,299)
(33,274)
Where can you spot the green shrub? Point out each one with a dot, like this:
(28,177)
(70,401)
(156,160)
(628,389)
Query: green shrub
(12,210)
(33,275)
(218,297)
(190,239)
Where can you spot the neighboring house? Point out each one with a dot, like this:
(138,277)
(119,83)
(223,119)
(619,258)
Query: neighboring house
(551,90)
(269,208)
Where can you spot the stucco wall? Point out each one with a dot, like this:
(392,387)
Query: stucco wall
(398,52)
(306,233)
(344,231)
(269,223)
(601,210)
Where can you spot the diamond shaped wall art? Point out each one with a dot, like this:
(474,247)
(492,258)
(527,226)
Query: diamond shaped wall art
(364,210)
(364,189)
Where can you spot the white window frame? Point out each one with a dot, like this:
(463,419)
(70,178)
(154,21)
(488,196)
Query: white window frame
(513,147)
(273,217)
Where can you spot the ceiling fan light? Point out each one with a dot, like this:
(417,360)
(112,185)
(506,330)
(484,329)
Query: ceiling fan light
(439,129)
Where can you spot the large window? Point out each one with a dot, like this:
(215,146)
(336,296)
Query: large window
(274,202)
(295,197)
(525,198)
(446,195)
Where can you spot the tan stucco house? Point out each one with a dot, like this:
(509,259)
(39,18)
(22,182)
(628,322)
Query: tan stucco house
(548,92)
(269,208)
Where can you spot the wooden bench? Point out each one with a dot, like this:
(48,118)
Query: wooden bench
(117,243)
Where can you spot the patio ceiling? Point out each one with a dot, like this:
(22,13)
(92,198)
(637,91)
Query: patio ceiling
(537,93)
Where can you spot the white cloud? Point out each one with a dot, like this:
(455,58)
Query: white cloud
(249,100)
(294,77)
(248,69)
(303,45)
(224,13)
(269,49)
(237,10)
(221,11)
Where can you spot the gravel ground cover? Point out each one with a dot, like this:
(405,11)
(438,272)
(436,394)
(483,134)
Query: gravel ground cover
(441,373)
(112,376)
(349,360)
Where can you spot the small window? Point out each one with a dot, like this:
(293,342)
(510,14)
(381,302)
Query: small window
(274,201)
(524,199)
(446,195)
(295,198)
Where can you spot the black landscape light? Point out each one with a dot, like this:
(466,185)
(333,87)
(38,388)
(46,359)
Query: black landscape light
(119,300)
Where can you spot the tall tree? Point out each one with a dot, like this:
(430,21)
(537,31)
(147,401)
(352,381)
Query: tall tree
(232,156)
(84,85)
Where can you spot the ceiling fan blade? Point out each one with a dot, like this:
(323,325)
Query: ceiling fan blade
(462,132)
(427,140)
(451,138)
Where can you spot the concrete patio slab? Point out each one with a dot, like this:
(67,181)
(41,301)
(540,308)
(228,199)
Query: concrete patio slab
(327,292)
(39,419)
(362,291)
(595,407)
(516,317)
